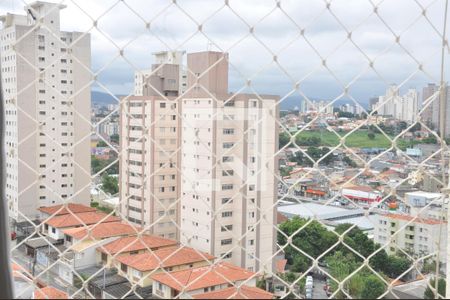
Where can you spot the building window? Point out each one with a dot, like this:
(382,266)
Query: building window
(226,228)
(227,214)
(228,131)
(226,187)
(226,201)
(226,242)
(123,268)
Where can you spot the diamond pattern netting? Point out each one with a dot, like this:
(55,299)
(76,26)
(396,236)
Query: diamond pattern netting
(251,39)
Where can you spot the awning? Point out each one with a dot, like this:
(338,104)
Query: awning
(315,192)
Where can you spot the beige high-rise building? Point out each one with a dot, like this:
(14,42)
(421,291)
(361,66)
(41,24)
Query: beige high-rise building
(150,138)
(228,162)
(431,114)
(45,80)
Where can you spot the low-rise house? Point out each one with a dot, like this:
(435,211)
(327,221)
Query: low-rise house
(63,209)
(82,243)
(138,268)
(187,283)
(54,226)
(242,292)
(131,245)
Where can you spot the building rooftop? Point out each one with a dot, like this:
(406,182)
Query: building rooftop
(134,243)
(319,211)
(65,209)
(243,292)
(408,218)
(49,292)
(102,230)
(80,219)
(165,257)
(424,194)
(198,278)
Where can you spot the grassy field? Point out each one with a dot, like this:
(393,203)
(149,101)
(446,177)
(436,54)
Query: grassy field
(358,139)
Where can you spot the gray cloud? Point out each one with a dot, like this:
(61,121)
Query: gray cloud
(172,27)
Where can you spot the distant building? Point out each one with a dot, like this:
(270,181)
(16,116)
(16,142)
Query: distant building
(373,102)
(317,106)
(404,108)
(162,62)
(432,109)
(415,235)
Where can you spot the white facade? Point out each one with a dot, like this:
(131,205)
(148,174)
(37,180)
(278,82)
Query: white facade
(419,237)
(228,184)
(404,108)
(45,81)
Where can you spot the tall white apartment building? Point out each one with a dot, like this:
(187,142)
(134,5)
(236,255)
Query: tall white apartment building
(160,58)
(149,180)
(404,108)
(45,80)
(228,163)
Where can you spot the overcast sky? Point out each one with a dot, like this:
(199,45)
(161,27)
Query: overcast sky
(171,28)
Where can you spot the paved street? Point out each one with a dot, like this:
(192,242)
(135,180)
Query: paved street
(318,291)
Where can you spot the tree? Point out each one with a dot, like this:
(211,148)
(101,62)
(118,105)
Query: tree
(99,164)
(396,266)
(261,283)
(371,135)
(349,161)
(110,184)
(285,171)
(313,239)
(284,139)
(102,144)
(416,127)
(114,138)
(429,294)
(373,287)
(360,242)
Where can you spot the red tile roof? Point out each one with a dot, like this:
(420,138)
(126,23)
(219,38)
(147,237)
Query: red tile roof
(134,243)
(165,257)
(49,292)
(86,218)
(244,292)
(408,218)
(103,230)
(72,207)
(19,272)
(198,278)
(281,265)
